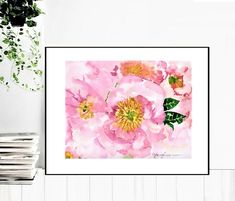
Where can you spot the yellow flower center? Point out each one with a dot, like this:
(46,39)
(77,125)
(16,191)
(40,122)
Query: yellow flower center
(129,114)
(68,154)
(85,109)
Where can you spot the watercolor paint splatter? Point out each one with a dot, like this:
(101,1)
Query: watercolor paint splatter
(128,109)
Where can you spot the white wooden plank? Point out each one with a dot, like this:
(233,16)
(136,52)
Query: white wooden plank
(150,188)
(213,186)
(228,185)
(101,188)
(225,185)
(123,188)
(55,188)
(35,191)
(78,188)
(166,188)
(10,192)
(139,188)
(145,188)
(190,188)
(232,184)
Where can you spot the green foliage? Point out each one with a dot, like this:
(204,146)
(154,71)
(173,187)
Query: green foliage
(22,60)
(19,12)
(31,23)
(170,103)
(172,117)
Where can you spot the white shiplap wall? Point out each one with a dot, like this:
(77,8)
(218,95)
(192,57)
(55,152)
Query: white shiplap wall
(219,186)
(159,23)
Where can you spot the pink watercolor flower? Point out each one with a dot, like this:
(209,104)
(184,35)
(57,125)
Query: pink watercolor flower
(85,111)
(144,70)
(102,76)
(115,109)
(179,80)
(136,115)
(70,151)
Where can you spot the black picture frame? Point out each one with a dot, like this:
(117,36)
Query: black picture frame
(208,103)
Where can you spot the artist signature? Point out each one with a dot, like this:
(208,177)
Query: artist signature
(165,155)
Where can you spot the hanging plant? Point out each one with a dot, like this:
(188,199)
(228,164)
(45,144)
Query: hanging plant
(20,43)
(19,12)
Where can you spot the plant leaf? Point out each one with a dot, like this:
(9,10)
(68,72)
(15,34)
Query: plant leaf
(173,117)
(31,23)
(170,103)
(169,124)
(6,40)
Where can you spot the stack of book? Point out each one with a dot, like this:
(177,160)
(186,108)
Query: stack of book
(18,157)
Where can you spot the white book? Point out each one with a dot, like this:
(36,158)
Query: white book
(26,174)
(18,155)
(18,137)
(36,140)
(19,144)
(22,160)
(17,182)
(17,167)
(19,149)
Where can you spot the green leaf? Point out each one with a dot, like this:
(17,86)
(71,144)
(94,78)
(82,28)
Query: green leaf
(31,23)
(170,103)
(173,117)
(4,22)
(38,72)
(169,124)
(1,79)
(15,77)
(6,40)
(36,42)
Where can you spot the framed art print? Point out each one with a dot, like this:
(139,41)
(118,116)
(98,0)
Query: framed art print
(127,110)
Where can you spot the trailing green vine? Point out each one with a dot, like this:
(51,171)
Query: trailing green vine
(22,61)
(17,22)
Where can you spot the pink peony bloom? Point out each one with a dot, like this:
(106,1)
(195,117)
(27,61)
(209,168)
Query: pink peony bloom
(115,109)
(136,115)
(102,74)
(179,80)
(85,111)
